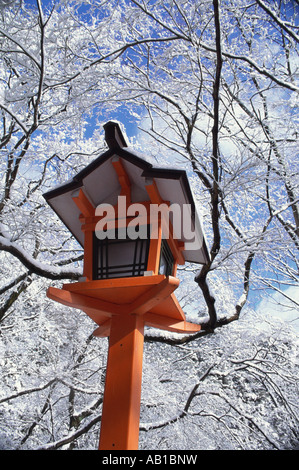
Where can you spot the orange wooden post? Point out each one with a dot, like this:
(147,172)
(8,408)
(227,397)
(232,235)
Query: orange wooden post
(121,406)
(87,210)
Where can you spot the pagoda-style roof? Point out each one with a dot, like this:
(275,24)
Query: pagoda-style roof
(100,184)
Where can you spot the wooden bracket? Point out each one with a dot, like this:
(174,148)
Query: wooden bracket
(152,191)
(83,203)
(122,178)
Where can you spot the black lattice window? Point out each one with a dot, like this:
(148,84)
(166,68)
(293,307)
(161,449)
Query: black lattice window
(115,258)
(166,260)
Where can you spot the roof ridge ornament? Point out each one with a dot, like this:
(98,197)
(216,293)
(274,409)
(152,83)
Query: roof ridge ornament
(114,136)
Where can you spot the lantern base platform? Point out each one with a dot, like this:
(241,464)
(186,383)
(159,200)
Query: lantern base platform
(149,296)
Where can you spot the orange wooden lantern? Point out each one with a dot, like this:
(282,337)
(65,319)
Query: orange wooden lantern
(136,224)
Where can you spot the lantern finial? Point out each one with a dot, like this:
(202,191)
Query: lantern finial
(114,136)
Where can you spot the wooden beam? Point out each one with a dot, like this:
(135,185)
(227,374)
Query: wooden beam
(175,245)
(83,203)
(154,296)
(152,191)
(83,302)
(122,178)
(103,330)
(155,248)
(170,324)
